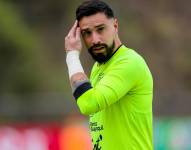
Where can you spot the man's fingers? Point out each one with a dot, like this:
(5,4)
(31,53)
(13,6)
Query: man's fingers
(78,33)
(72,40)
(72,31)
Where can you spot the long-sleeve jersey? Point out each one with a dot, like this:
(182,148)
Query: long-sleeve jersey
(120,103)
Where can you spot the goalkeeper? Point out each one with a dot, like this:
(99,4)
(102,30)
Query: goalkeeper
(118,95)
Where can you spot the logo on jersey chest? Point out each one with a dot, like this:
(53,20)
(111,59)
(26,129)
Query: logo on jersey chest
(100,76)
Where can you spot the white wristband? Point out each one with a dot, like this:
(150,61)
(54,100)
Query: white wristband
(73,62)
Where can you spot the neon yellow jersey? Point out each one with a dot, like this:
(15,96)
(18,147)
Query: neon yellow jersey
(120,103)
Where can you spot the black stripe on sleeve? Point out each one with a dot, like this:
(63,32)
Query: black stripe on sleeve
(82,89)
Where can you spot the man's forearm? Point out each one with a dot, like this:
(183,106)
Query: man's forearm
(78,79)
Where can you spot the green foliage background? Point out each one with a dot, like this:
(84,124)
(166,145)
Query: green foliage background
(32,59)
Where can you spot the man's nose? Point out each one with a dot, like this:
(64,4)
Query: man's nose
(95,38)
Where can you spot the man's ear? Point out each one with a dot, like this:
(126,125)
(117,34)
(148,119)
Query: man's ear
(116,25)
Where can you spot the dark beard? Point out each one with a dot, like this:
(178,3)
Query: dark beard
(101,58)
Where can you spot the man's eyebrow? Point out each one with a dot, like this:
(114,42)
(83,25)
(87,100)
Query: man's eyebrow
(100,25)
(87,29)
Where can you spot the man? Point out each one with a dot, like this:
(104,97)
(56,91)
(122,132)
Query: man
(118,96)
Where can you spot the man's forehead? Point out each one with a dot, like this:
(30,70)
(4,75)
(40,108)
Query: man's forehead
(93,21)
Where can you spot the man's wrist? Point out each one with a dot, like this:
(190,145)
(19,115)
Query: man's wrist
(73,62)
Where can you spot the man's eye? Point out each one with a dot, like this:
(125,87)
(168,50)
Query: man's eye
(86,33)
(100,29)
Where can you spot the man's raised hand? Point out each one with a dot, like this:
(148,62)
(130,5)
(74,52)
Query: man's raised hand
(72,40)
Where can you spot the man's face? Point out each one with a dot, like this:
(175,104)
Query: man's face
(99,34)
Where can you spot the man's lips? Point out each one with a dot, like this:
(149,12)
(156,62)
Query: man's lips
(98,49)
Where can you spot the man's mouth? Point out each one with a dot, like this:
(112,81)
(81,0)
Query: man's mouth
(98,49)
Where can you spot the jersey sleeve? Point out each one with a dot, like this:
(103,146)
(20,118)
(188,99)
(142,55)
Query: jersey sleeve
(117,81)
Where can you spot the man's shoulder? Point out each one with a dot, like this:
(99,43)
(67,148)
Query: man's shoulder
(126,54)
(123,56)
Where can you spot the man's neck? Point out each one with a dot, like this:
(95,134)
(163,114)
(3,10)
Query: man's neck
(117,45)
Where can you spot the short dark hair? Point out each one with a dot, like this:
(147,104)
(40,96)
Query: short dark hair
(91,7)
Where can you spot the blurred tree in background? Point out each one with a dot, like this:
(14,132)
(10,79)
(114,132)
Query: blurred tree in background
(18,49)
(33,74)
